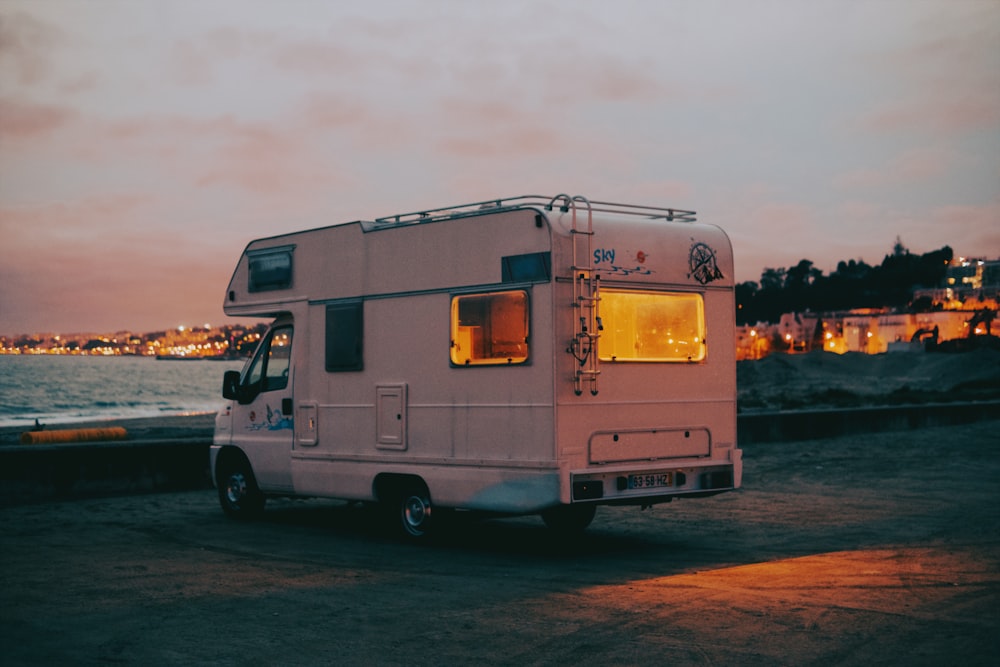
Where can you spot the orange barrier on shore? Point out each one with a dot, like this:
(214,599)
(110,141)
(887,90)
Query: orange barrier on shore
(74,435)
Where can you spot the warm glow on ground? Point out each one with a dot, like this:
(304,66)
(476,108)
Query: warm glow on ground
(813,598)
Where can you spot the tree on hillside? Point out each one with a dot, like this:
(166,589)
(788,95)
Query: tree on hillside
(899,249)
(932,267)
(854,284)
(768,301)
(798,283)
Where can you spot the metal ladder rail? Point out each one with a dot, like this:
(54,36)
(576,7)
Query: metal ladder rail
(586,297)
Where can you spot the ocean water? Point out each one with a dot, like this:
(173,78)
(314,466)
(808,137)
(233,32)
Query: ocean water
(61,390)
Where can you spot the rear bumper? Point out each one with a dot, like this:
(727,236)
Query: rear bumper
(656,483)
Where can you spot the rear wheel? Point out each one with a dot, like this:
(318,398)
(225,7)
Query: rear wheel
(415,511)
(569,519)
(238,492)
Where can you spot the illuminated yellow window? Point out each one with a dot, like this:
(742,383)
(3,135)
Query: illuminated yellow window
(651,326)
(489,328)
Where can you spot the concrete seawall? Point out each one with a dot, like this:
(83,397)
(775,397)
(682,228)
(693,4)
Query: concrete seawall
(43,471)
(37,472)
(755,428)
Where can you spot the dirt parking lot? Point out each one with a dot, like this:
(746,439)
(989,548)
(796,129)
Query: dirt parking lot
(857,551)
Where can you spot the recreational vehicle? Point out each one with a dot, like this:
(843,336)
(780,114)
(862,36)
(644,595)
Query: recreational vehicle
(525,355)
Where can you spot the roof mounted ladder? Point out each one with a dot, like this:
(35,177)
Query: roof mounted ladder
(586,294)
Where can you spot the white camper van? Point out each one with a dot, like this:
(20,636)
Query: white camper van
(530,355)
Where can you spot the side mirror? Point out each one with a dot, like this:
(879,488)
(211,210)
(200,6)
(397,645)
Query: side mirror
(231,385)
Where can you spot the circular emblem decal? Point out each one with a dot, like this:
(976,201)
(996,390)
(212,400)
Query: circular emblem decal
(703,264)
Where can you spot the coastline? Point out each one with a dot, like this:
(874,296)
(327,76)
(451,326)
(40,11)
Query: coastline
(189,426)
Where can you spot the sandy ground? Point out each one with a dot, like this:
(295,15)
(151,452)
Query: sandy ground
(883,549)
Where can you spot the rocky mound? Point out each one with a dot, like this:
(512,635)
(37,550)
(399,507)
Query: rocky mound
(824,379)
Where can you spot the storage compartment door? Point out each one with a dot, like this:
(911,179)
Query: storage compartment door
(390,415)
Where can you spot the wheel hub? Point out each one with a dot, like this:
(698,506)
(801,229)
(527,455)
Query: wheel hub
(416,514)
(236,490)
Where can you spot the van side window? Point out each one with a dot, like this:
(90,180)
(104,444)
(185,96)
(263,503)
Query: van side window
(344,336)
(271,364)
(279,359)
(652,326)
(489,328)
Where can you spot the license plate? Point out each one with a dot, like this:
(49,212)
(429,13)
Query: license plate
(650,481)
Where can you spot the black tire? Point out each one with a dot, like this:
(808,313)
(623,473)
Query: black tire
(569,519)
(238,492)
(415,512)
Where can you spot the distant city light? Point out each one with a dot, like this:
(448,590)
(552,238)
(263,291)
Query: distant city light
(226,342)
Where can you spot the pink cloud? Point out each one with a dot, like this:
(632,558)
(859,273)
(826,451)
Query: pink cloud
(503,142)
(24,120)
(192,64)
(232,42)
(947,79)
(914,167)
(978,110)
(264,160)
(101,219)
(96,262)
(488,127)
(83,83)
(667,193)
(25,44)
(867,230)
(194,61)
(481,112)
(317,57)
(974,230)
(624,82)
(767,231)
(331,112)
(780,216)
(581,78)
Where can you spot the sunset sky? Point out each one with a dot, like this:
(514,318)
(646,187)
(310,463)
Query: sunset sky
(144,143)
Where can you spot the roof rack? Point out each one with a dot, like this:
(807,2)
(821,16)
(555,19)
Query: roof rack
(564,203)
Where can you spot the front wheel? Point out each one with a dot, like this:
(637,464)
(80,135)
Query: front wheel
(238,492)
(569,519)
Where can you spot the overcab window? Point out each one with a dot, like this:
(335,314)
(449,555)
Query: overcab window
(489,329)
(270,269)
(652,326)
